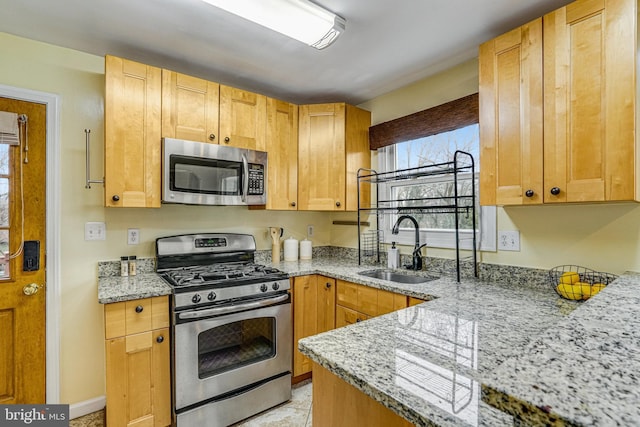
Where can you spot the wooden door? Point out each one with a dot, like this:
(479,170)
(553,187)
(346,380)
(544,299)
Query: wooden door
(589,109)
(282,146)
(243,118)
(132,128)
(22,317)
(321,157)
(305,313)
(511,117)
(190,108)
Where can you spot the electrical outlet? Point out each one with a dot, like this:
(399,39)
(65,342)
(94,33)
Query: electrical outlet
(133,236)
(509,241)
(95,231)
(309,230)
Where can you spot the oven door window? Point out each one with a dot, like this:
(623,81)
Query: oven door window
(205,176)
(236,344)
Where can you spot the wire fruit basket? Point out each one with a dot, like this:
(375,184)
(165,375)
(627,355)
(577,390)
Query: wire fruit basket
(578,283)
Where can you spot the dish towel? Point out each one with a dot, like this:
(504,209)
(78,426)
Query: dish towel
(9,131)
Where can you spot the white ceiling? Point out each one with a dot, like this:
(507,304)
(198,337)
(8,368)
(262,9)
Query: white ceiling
(387,43)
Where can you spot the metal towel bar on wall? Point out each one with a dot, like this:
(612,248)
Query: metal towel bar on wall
(87,133)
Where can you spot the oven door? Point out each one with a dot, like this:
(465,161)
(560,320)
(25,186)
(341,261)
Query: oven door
(217,355)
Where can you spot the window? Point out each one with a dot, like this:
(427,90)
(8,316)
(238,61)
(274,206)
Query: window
(436,229)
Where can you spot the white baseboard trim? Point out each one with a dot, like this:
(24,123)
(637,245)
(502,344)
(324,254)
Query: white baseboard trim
(87,407)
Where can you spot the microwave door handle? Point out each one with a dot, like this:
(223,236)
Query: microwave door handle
(232,308)
(245,178)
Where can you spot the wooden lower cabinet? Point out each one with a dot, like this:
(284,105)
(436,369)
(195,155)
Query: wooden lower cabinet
(346,316)
(336,403)
(138,363)
(313,312)
(355,303)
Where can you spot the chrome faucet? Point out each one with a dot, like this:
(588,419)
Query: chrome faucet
(417,259)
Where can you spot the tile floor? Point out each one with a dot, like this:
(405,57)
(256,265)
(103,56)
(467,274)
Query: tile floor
(295,413)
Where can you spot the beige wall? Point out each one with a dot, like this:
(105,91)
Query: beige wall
(604,236)
(599,236)
(78,79)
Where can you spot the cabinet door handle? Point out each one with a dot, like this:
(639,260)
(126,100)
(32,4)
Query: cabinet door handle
(327,285)
(529,193)
(555,191)
(160,339)
(212,137)
(115,198)
(293,204)
(358,320)
(227,139)
(338,204)
(139,309)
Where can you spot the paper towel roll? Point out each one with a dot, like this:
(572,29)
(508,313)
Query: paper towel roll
(291,249)
(305,249)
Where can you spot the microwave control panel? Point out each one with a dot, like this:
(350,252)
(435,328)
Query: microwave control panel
(256,179)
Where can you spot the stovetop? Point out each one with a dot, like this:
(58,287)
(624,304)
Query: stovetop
(221,275)
(215,268)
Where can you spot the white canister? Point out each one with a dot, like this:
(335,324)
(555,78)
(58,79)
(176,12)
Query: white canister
(305,249)
(290,249)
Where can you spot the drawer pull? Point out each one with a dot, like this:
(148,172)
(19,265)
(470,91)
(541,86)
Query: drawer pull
(160,339)
(139,309)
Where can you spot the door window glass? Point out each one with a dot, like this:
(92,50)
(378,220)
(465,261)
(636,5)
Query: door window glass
(4,210)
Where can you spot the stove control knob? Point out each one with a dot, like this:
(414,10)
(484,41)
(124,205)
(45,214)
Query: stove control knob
(264,287)
(211,296)
(196,298)
(275,286)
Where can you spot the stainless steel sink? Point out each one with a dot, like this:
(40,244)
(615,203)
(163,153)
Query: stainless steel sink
(394,276)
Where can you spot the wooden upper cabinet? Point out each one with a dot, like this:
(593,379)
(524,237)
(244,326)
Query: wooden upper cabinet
(333,144)
(511,117)
(132,144)
(589,109)
(190,108)
(243,118)
(282,148)
(588,144)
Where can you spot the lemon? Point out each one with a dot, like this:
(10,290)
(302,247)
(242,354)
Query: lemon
(569,277)
(590,290)
(570,291)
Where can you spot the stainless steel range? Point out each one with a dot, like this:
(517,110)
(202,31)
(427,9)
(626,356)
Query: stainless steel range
(232,337)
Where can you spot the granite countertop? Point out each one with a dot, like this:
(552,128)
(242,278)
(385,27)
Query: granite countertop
(118,289)
(474,347)
(477,347)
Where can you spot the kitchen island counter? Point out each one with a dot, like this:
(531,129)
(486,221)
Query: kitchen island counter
(523,350)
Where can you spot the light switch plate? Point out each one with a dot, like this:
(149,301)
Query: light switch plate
(95,231)
(509,241)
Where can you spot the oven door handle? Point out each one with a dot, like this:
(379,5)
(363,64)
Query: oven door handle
(190,315)
(245,178)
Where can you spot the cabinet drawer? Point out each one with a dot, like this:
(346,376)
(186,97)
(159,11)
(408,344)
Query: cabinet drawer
(132,317)
(390,301)
(347,294)
(367,300)
(346,316)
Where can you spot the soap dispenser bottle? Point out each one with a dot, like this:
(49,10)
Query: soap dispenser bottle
(393,256)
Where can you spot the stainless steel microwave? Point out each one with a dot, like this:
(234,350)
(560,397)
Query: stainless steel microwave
(197,173)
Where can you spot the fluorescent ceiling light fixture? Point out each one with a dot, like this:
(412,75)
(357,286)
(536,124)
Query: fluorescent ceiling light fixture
(299,19)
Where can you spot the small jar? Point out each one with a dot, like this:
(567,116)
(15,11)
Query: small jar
(124,266)
(132,265)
